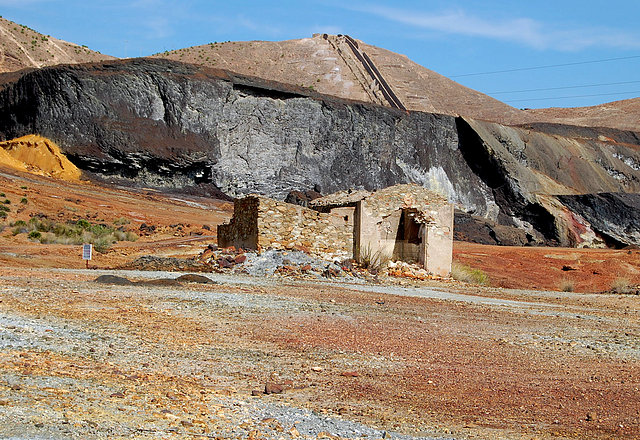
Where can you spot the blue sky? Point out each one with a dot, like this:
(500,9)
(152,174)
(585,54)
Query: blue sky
(454,38)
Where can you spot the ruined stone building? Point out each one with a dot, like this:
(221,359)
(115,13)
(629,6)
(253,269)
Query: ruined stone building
(402,222)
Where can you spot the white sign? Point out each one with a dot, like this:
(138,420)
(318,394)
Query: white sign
(86,251)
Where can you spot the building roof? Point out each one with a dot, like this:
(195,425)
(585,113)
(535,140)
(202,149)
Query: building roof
(341,198)
(391,198)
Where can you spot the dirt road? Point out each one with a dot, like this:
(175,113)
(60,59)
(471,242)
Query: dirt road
(80,359)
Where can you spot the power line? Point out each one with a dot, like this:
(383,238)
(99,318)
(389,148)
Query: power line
(573,96)
(565,87)
(548,66)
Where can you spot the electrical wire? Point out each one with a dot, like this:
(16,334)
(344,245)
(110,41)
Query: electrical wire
(563,88)
(549,66)
(573,96)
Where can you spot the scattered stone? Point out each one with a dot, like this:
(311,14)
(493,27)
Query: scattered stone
(591,416)
(317,369)
(113,279)
(350,374)
(293,432)
(240,259)
(257,393)
(273,388)
(194,278)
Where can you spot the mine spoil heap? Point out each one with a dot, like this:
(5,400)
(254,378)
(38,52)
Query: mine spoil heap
(167,124)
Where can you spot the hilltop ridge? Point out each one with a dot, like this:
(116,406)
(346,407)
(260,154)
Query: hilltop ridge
(22,47)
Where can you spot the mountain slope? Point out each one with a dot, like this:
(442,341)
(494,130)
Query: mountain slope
(22,47)
(623,115)
(348,68)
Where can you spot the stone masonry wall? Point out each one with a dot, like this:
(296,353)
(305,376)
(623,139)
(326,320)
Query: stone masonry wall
(285,226)
(242,230)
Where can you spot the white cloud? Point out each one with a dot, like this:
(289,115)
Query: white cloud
(524,31)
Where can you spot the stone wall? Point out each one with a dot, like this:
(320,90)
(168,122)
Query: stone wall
(272,224)
(242,230)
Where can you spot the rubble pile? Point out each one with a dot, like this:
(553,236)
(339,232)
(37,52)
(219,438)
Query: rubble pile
(401,269)
(278,262)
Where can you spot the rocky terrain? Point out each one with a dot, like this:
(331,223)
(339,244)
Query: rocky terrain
(22,47)
(348,68)
(249,357)
(291,353)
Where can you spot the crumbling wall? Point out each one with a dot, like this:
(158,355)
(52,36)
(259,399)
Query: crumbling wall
(261,223)
(439,241)
(379,219)
(242,230)
(285,226)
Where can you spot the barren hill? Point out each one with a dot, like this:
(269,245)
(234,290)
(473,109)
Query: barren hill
(624,115)
(348,68)
(22,47)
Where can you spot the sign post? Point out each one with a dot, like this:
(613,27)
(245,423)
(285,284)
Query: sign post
(87,250)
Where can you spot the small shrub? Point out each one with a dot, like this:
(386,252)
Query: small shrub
(469,275)
(567,285)
(121,221)
(375,260)
(2,195)
(24,201)
(19,223)
(3,214)
(4,208)
(102,245)
(7,202)
(19,230)
(84,224)
(621,285)
(23,187)
(34,235)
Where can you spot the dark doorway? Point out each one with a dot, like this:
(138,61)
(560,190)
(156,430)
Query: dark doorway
(407,246)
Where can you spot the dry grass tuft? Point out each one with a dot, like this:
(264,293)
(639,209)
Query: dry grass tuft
(567,285)
(469,275)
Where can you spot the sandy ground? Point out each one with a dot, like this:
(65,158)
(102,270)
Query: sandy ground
(435,359)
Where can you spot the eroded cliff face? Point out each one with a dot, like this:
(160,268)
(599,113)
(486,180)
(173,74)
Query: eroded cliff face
(166,124)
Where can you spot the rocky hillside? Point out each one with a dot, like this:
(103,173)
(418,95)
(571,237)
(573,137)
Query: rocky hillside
(348,68)
(22,47)
(168,124)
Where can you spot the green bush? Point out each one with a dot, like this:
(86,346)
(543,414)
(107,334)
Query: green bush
(82,223)
(24,201)
(82,231)
(35,235)
(7,202)
(3,214)
(4,208)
